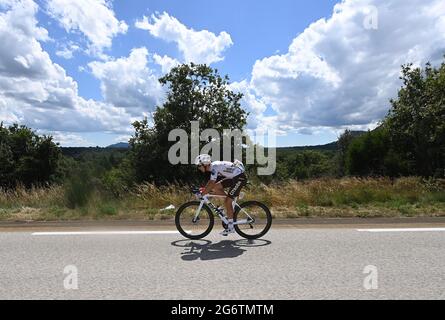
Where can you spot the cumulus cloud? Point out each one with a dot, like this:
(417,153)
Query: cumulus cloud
(196,46)
(123,138)
(37,92)
(338,73)
(335,74)
(93,18)
(128,82)
(251,103)
(68,139)
(66,51)
(165,62)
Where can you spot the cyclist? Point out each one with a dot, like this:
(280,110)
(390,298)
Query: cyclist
(223,174)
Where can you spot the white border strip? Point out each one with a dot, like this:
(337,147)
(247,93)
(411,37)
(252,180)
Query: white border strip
(404,230)
(88,233)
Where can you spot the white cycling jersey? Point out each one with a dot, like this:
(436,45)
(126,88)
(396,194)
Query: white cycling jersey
(226,169)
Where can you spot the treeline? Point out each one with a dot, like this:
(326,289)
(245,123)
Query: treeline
(26,158)
(409,141)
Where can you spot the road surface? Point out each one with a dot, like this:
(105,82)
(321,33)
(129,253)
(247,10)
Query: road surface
(292,262)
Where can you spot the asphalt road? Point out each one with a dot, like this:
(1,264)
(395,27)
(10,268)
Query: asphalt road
(289,263)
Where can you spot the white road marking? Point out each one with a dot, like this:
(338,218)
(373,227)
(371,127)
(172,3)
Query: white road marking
(83,233)
(404,230)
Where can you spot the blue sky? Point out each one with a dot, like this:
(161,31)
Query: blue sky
(248,22)
(83,70)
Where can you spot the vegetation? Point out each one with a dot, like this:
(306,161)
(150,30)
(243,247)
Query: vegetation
(326,197)
(25,157)
(196,93)
(396,169)
(411,139)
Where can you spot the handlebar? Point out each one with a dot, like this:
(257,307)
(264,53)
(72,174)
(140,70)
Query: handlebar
(197,193)
(195,190)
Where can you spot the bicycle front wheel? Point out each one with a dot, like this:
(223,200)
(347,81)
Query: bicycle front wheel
(253,219)
(194,221)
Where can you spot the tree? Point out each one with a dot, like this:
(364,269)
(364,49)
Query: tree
(6,164)
(26,157)
(366,154)
(416,121)
(343,143)
(411,139)
(195,93)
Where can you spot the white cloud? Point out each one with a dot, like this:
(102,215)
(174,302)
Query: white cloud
(196,46)
(67,51)
(68,139)
(251,103)
(6,115)
(37,92)
(165,62)
(339,74)
(128,82)
(335,74)
(22,19)
(94,18)
(123,138)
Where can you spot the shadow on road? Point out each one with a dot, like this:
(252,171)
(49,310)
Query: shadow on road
(207,250)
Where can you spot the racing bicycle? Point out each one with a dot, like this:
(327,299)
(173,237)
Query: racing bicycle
(195,219)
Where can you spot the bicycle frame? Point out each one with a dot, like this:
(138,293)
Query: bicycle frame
(205,200)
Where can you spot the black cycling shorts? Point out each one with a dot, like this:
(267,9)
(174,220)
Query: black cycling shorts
(234,184)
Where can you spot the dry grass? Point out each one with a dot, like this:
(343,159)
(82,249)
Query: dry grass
(347,197)
(34,197)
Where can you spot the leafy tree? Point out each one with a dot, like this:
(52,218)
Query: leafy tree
(25,157)
(195,93)
(411,139)
(372,154)
(6,164)
(416,121)
(343,143)
(365,155)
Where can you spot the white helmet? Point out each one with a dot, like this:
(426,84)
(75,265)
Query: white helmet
(203,159)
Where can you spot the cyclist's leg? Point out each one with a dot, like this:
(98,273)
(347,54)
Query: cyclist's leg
(228,202)
(238,183)
(218,190)
(220,186)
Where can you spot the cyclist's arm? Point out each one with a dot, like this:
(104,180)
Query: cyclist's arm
(209,187)
(212,182)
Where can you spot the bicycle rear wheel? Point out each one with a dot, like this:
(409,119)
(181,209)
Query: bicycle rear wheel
(190,227)
(255,217)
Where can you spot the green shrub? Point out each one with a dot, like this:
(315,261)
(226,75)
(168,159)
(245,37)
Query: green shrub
(78,190)
(108,210)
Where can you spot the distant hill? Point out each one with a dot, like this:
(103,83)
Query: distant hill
(78,152)
(120,145)
(324,147)
(124,146)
